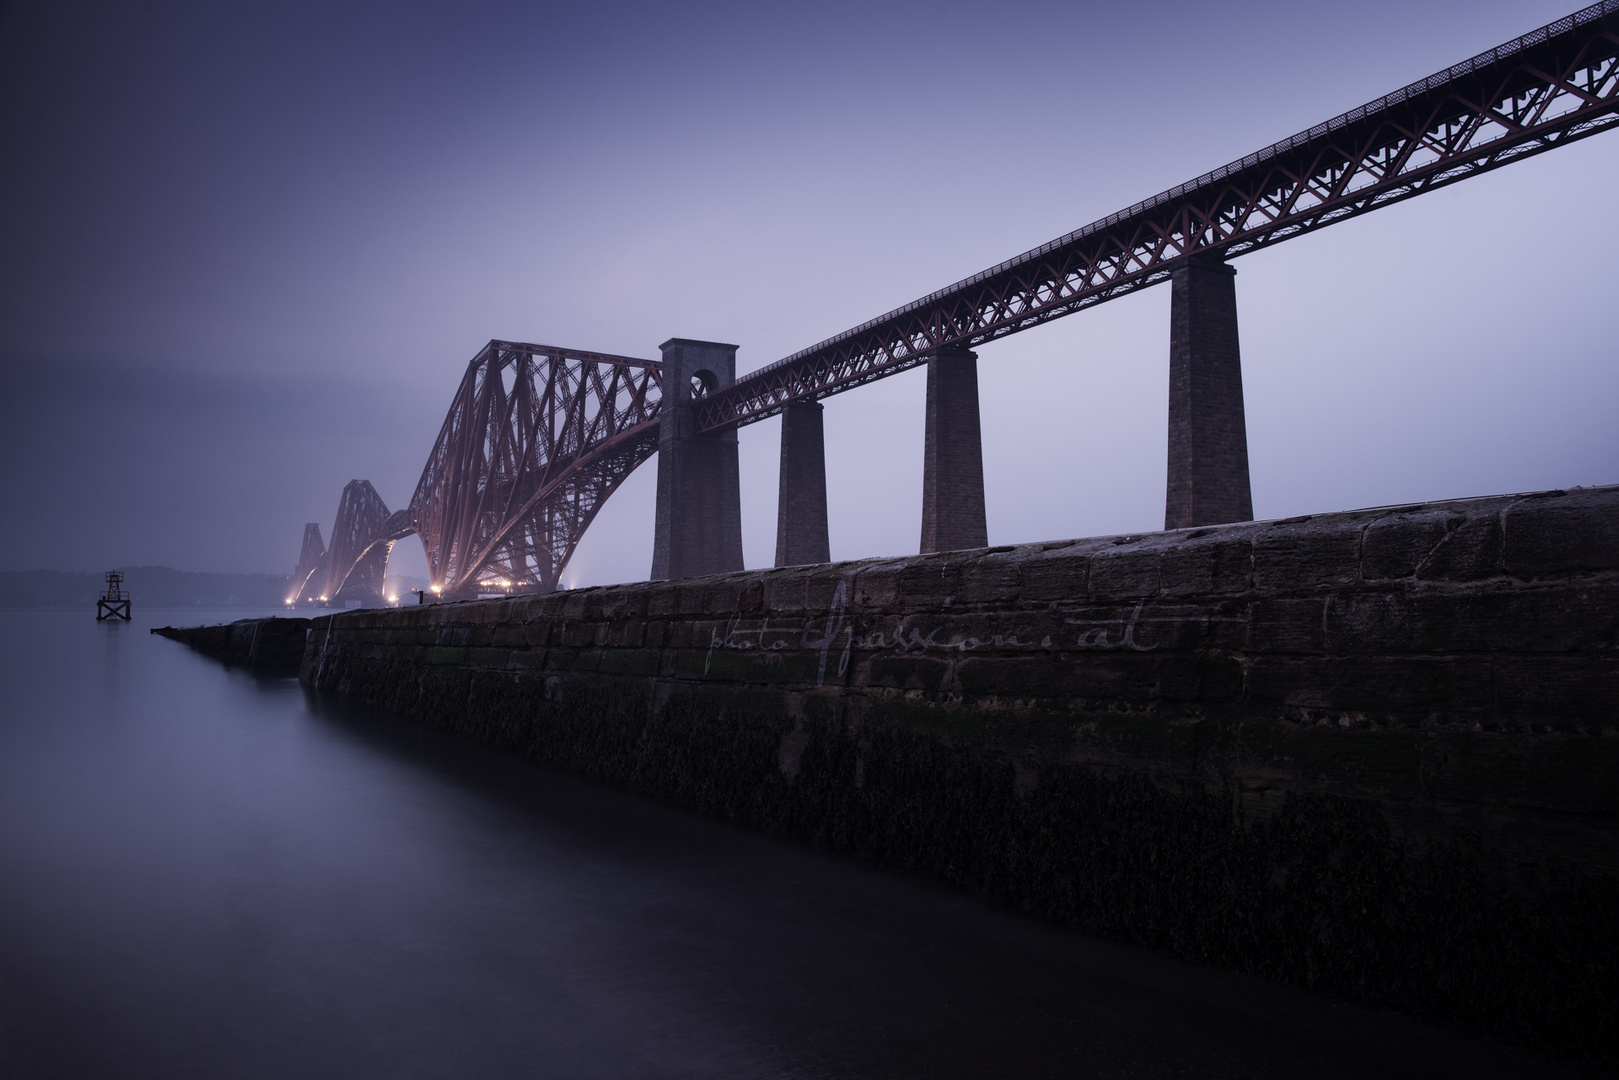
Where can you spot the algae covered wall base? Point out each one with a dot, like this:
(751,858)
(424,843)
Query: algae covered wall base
(262,644)
(1371,753)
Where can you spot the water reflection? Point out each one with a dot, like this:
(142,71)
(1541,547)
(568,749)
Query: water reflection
(211,875)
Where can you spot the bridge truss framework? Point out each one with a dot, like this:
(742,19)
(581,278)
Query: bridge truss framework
(1553,86)
(538,437)
(535,441)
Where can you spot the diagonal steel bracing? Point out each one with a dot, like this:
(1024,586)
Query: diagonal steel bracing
(1547,88)
(311,557)
(355,562)
(538,437)
(536,440)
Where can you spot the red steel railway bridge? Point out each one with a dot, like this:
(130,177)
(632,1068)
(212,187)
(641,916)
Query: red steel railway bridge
(538,437)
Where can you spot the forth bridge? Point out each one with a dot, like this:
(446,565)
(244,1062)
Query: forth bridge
(538,437)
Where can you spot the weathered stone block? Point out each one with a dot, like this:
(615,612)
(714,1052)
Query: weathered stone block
(574,604)
(576,634)
(1183,627)
(1470,552)
(632,662)
(626,634)
(1207,563)
(784,591)
(526,659)
(1058,576)
(1367,623)
(823,586)
(663,599)
(624,604)
(908,672)
(1532,620)
(797,667)
(1287,626)
(1099,627)
(683,634)
(992,579)
(1554,533)
(1117,677)
(1310,553)
(597,602)
(926,582)
(723,595)
(1393,547)
(509,636)
(876,586)
(689,596)
(1577,692)
(1125,572)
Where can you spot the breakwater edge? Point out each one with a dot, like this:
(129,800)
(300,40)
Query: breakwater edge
(1370,753)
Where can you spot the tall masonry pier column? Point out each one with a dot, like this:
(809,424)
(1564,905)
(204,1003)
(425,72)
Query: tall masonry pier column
(699,521)
(953,456)
(801,532)
(1208,437)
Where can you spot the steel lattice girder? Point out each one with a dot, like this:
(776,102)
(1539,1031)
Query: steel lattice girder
(311,557)
(359,553)
(536,440)
(1550,87)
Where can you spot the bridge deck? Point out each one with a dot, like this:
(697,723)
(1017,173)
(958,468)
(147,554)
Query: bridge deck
(1549,87)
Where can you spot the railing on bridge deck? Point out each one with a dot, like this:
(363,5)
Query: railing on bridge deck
(538,437)
(1547,88)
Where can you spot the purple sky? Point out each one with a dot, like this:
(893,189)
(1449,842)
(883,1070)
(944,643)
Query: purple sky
(248,250)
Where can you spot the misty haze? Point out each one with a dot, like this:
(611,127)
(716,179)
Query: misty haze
(836,541)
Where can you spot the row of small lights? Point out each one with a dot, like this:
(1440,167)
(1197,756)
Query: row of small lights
(291,600)
(436,589)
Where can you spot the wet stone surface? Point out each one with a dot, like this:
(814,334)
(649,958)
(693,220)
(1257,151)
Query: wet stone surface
(1373,753)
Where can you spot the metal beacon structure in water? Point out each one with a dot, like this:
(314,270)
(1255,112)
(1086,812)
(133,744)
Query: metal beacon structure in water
(114,603)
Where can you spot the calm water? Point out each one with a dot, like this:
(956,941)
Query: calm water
(204,874)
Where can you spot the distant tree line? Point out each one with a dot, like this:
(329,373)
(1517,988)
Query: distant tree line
(149,586)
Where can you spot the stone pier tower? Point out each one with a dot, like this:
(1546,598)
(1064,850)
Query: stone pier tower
(699,521)
(953,456)
(801,527)
(1208,436)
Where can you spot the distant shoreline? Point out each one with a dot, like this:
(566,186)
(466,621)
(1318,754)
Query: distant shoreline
(158,587)
(149,586)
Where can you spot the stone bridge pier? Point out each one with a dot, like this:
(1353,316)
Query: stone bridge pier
(1208,435)
(699,504)
(953,516)
(801,520)
(698,528)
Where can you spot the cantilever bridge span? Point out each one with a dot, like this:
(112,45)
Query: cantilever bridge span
(538,437)
(535,441)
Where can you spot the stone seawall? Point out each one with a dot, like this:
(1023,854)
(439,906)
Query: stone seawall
(261,644)
(1374,753)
